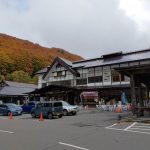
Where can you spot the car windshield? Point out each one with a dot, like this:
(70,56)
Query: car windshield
(66,104)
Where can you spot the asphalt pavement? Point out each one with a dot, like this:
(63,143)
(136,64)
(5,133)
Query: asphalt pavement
(88,130)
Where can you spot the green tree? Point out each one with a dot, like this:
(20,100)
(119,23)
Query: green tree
(36,65)
(21,76)
(9,77)
(6,64)
(2,78)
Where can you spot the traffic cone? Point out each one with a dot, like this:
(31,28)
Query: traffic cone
(11,116)
(41,117)
(118,110)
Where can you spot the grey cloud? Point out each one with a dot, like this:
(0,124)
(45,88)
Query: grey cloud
(85,27)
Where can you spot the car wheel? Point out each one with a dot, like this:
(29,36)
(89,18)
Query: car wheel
(60,116)
(74,113)
(33,115)
(50,116)
(65,112)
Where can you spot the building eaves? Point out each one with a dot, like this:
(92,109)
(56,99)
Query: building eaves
(115,59)
(16,88)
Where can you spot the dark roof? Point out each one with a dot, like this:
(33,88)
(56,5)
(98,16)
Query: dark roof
(52,88)
(112,55)
(16,88)
(62,88)
(113,58)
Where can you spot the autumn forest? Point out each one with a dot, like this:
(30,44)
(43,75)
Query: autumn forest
(21,59)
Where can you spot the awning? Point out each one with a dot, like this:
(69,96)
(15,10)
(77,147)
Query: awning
(90,94)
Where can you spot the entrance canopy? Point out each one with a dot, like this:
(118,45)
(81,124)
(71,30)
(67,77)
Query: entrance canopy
(91,94)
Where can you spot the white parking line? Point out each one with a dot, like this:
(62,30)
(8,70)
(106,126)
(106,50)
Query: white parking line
(73,146)
(112,125)
(6,131)
(134,127)
(140,129)
(129,126)
(142,126)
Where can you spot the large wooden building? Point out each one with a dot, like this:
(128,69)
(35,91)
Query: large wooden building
(88,81)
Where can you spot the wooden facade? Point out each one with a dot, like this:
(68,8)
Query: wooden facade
(109,75)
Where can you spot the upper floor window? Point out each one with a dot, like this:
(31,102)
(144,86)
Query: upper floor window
(95,75)
(116,77)
(61,73)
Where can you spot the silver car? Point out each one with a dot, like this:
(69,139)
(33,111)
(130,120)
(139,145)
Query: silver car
(69,109)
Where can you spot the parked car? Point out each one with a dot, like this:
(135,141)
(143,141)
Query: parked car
(7,108)
(69,109)
(48,109)
(29,106)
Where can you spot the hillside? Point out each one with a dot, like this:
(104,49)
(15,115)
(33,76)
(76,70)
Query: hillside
(22,55)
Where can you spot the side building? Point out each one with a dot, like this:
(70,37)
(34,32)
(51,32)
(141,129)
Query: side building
(15,92)
(92,80)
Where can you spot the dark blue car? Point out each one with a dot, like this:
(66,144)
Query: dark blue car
(29,106)
(7,108)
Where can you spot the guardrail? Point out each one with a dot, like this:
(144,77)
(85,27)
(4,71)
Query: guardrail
(122,108)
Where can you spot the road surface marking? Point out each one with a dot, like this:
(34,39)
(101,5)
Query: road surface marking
(142,126)
(130,126)
(129,130)
(140,129)
(112,125)
(73,146)
(6,131)
(115,129)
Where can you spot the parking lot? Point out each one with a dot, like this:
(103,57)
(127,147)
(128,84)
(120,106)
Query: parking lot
(88,130)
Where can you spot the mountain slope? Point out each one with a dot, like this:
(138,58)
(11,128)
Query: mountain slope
(18,54)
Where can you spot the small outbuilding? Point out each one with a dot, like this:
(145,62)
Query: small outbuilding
(15,92)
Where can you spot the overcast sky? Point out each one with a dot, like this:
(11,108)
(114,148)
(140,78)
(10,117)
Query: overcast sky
(88,28)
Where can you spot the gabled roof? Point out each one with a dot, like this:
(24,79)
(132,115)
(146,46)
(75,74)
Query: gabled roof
(65,63)
(107,59)
(16,88)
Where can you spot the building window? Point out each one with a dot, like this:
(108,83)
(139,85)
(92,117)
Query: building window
(91,72)
(66,82)
(95,75)
(59,73)
(81,81)
(91,79)
(98,78)
(115,76)
(122,77)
